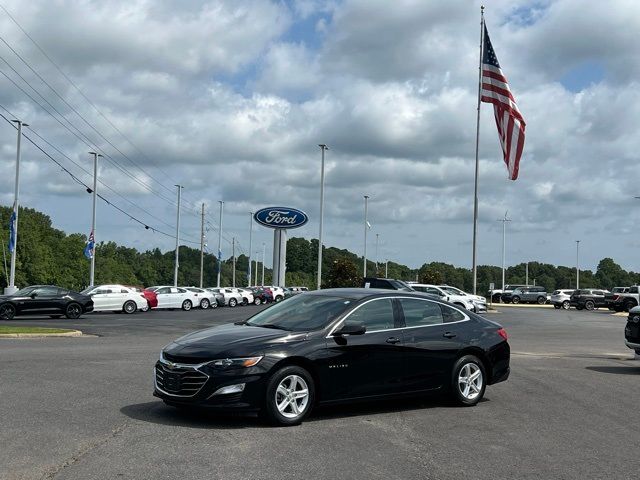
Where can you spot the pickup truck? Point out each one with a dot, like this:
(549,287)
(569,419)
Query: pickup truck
(626,301)
(611,297)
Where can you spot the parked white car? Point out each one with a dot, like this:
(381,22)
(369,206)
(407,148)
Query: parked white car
(453,295)
(116,298)
(247,295)
(175,297)
(561,298)
(205,297)
(231,298)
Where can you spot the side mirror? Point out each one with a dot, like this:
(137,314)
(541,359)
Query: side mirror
(33,295)
(354,328)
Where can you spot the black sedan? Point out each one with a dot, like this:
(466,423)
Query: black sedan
(45,300)
(334,346)
(632,330)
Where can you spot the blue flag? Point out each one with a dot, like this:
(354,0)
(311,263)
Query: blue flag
(90,249)
(12,231)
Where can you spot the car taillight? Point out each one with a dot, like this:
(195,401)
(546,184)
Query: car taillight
(503,333)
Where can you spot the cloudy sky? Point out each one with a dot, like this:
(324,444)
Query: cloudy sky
(230,99)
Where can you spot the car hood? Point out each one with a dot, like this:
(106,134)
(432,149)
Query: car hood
(231,340)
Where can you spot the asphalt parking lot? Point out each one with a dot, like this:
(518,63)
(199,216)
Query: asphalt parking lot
(82,408)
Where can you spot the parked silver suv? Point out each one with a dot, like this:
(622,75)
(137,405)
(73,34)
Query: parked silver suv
(561,299)
(529,295)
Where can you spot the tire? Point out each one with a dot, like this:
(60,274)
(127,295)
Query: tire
(257,301)
(589,305)
(566,304)
(187,305)
(556,306)
(468,393)
(205,303)
(245,301)
(129,307)
(294,411)
(214,304)
(279,298)
(515,300)
(145,308)
(7,311)
(233,302)
(73,311)
(541,300)
(628,306)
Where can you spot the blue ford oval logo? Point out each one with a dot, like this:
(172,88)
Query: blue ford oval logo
(280,217)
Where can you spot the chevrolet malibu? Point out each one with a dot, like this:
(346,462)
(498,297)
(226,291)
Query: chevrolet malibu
(334,346)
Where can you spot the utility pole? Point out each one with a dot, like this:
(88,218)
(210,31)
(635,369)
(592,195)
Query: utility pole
(220,244)
(377,238)
(233,255)
(92,269)
(366,227)
(250,246)
(386,269)
(526,274)
(504,239)
(256,280)
(175,270)
(263,252)
(323,147)
(577,264)
(202,246)
(11,288)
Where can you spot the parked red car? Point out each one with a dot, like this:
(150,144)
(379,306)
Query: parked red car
(150,295)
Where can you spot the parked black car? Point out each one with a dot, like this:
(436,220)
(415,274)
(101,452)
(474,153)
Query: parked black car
(45,300)
(386,283)
(588,298)
(632,330)
(312,349)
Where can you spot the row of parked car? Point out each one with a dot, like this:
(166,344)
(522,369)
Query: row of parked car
(55,301)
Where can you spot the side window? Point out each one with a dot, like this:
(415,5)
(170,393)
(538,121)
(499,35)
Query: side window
(124,291)
(433,291)
(46,291)
(375,315)
(418,313)
(451,314)
(163,290)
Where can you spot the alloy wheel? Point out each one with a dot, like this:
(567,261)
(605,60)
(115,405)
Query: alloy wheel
(292,396)
(130,307)
(204,304)
(73,311)
(470,381)
(566,304)
(7,311)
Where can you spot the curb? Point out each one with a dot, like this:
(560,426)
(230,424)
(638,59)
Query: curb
(520,305)
(72,333)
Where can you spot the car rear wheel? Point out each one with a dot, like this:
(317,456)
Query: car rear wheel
(129,307)
(515,300)
(233,302)
(468,381)
(589,305)
(628,306)
(279,298)
(566,304)
(7,311)
(204,303)
(214,304)
(187,305)
(145,308)
(290,396)
(542,300)
(73,311)
(257,301)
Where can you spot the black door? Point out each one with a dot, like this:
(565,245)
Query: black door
(433,336)
(43,300)
(370,364)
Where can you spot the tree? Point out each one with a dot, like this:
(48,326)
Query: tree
(343,273)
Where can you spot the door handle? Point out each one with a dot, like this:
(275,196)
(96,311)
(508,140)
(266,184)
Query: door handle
(393,340)
(448,334)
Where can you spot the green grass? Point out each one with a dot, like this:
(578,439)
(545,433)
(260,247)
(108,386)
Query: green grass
(9,329)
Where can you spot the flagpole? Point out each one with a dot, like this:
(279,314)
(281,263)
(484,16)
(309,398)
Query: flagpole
(92,269)
(475,189)
(11,288)
(366,213)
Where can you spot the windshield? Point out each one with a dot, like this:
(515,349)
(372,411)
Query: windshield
(301,313)
(87,291)
(400,285)
(25,292)
(453,290)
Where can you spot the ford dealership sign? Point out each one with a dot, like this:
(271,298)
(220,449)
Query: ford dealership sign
(280,217)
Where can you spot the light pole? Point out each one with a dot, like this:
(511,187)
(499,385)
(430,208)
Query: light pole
(256,281)
(577,264)
(526,273)
(366,226)
(250,240)
(220,244)
(202,246)
(233,255)
(323,147)
(386,269)
(13,242)
(92,269)
(504,241)
(175,268)
(377,237)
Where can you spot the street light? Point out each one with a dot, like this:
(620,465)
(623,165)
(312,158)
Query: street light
(504,240)
(577,264)
(175,270)
(366,227)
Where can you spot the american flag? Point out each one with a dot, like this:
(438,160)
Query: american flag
(509,121)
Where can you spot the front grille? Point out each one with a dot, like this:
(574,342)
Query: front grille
(182,382)
(188,360)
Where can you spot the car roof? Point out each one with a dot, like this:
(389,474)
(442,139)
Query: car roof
(360,293)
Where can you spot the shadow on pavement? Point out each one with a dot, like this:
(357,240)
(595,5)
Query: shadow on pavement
(616,370)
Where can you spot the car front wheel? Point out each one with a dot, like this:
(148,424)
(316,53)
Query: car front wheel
(566,304)
(542,300)
(468,381)
(515,300)
(257,301)
(186,305)
(7,311)
(73,311)
(589,305)
(290,396)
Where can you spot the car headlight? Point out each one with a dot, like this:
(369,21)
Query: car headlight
(235,362)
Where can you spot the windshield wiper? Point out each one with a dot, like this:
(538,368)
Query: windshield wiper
(269,325)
